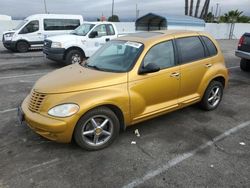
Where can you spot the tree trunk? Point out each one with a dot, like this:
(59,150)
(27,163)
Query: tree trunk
(203,9)
(197,8)
(206,10)
(191,8)
(186,7)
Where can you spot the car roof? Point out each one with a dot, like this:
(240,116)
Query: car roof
(145,37)
(59,16)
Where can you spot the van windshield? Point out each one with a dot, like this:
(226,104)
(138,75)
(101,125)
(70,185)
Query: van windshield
(21,24)
(83,29)
(115,56)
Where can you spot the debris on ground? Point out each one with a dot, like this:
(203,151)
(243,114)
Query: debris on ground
(133,142)
(242,143)
(137,133)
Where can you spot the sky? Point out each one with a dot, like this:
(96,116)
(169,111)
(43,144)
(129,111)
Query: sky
(123,8)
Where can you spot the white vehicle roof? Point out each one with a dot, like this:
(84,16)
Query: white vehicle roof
(98,22)
(65,16)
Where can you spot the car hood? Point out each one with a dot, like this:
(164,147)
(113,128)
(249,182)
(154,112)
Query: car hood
(65,38)
(9,31)
(77,78)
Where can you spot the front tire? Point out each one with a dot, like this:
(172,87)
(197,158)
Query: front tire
(22,46)
(212,96)
(74,56)
(245,65)
(97,129)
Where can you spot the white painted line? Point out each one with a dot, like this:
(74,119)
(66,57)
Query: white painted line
(236,67)
(23,75)
(26,81)
(41,164)
(179,159)
(8,110)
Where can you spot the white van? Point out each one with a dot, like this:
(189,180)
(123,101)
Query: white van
(32,31)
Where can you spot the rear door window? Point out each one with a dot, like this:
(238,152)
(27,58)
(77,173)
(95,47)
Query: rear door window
(210,46)
(110,29)
(190,49)
(60,24)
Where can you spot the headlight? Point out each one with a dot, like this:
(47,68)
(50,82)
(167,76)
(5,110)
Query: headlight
(56,45)
(64,110)
(8,36)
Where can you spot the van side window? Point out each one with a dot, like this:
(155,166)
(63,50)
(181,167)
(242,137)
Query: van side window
(210,46)
(31,27)
(190,48)
(110,29)
(60,24)
(161,54)
(101,29)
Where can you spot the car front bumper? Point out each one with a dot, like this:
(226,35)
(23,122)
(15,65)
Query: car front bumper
(242,54)
(58,130)
(10,45)
(55,54)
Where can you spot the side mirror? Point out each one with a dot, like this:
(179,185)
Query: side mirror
(93,34)
(149,68)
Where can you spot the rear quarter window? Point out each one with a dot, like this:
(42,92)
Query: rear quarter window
(212,50)
(190,49)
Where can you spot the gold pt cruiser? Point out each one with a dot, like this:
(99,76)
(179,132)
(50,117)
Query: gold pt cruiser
(128,80)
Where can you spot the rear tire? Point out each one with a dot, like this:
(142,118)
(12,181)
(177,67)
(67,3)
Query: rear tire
(22,46)
(245,65)
(74,56)
(97,129)
(212,96)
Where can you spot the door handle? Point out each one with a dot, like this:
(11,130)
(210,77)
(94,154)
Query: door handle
(107,39)
(208,65)
(175,74)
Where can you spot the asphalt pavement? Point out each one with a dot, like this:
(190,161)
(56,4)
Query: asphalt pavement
(186,148)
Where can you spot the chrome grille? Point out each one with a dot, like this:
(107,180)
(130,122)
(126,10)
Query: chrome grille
(35,101)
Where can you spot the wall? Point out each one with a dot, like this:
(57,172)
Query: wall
(6,25)
(218,31)
(222,31)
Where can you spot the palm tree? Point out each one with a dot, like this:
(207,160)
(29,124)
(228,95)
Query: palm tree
(186,7)
(191,8)
(205,9)
(197,8)
(232,16)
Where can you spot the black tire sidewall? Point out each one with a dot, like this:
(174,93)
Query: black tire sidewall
(245,65)
(68,59)
(20,45)
(98,111)
(204,102)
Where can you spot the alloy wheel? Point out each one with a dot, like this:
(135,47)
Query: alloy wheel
(214,96)
(97,130)
(76,58)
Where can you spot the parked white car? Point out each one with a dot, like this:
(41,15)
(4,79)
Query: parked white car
(32,31)
(80,43)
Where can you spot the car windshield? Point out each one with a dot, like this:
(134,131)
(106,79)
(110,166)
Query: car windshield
(115,56)
(83,29)
(21,24)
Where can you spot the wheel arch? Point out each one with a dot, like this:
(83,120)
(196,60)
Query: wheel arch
(219,78)
(114,108)
(21,40)
(73,48)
